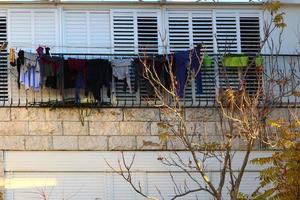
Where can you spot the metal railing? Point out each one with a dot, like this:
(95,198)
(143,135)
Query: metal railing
(214,78)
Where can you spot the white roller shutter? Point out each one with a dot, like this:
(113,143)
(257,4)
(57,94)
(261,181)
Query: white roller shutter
(56,186)
(85,175)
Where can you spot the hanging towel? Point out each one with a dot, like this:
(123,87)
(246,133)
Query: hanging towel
(120,68)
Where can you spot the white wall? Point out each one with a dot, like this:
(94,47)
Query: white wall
(291,34)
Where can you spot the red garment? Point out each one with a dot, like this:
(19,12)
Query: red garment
(77,66)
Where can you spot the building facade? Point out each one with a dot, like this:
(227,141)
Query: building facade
(62,151)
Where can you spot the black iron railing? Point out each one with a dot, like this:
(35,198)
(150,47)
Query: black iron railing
(214,79)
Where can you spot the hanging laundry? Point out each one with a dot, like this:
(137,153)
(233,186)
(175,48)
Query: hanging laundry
(158,65)
(29,71)
(78,70)
(20,62)
(120,70)
(186,62)
(99,74)
(12,57)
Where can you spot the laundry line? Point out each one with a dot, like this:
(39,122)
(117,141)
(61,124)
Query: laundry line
(31,45)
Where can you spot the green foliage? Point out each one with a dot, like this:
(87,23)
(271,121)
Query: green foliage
(278,17)
(281,176)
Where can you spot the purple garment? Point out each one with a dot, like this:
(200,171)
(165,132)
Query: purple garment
(182,63)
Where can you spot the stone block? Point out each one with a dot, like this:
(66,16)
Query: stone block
(135,128)
(141,114)
(75,128)
(36,114)
(175,143)
(4,114)
(45,128)
(104,128)
(63,114)
(150,143)
(122,143)
(201,114)
(93,143)
(38,143)
(158,128)
(14,128)
(12,142)
(19,114)
(168,115)
(106,114)
(201,128)
(65,143)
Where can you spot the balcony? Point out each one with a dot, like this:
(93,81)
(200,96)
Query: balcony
(279,72)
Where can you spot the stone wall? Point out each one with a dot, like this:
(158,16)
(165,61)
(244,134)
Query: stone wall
(30,129)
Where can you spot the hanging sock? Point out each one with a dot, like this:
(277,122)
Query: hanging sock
(12,57)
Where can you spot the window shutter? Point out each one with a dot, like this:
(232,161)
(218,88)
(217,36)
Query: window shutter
(227,42)
(20,28)
(123,32)
(134,31)
(203,34)
(179,31)
(87,31)
(250,45)
(226,26)
(99,32)
(3,61)
(250,35)
(75,31)
(45,28)
(147,34)
(203,30)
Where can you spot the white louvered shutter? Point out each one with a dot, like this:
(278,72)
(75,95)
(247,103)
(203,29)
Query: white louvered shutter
(76,36)
(179,31)
(3,60)
(134,32)
(86,31)
(31,28)
(124,42)
(227,42)
(202,24)
(45,29)
(226,27)
(123,32)
(147,32)
(185,30)
(20,29)
(250,45)
(99,32)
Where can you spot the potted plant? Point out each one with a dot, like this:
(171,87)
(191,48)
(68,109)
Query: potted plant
(207,61)
(235,60)
(259,61)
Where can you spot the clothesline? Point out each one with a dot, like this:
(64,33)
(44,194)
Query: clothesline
(26,45)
